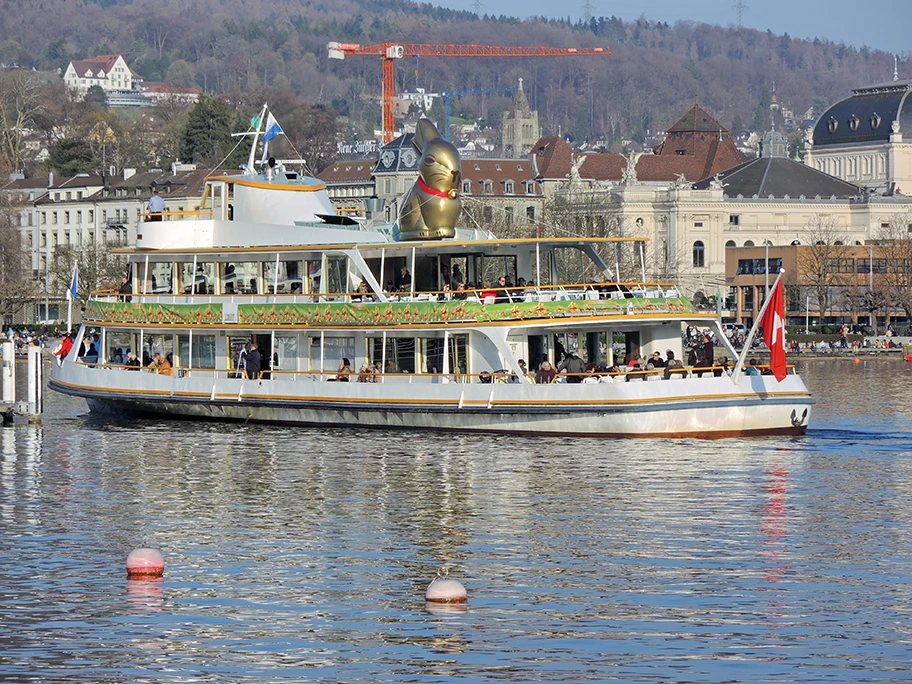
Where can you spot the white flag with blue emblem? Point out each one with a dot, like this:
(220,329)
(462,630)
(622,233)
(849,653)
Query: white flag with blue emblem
(74,283)
(272,130)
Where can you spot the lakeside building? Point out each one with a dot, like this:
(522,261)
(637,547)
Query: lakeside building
(866,139)
(87,211)
(868,284)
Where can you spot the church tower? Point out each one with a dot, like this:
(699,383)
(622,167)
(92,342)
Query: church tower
(520,127)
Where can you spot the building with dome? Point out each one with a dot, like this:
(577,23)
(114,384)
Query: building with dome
(866,139)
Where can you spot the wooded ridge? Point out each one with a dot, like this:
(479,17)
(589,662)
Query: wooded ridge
(656,70)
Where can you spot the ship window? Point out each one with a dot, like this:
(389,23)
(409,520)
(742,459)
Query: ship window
(285,353)
(202,283)
(698,253)
(333,351)
(161,274)
(202,353)
(117,343)
(240,278)
(158,344)
(338,276)
(289,279)
(432,349)
(459,356)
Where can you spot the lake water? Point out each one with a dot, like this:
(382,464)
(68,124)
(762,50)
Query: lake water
(304,554)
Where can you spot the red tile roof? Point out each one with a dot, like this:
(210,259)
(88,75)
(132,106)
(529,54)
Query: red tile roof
(696,145)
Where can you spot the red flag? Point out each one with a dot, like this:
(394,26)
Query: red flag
(773,323)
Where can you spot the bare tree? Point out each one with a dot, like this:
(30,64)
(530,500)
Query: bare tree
(825,243)
(895,245)
(19,103)
(98,268)
(17,289)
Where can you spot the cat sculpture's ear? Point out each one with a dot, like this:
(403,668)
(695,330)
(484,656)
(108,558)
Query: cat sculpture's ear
(425,132)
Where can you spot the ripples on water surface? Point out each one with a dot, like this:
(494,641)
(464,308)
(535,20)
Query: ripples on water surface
(299,554)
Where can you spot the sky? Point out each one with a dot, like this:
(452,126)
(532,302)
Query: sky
(885,25)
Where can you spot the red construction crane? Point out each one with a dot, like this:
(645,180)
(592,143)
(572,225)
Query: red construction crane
(390,52)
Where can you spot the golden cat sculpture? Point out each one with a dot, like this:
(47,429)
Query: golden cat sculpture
(432,206)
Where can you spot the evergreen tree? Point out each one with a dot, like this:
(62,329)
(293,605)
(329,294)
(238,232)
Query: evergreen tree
(207,140)
(70,157)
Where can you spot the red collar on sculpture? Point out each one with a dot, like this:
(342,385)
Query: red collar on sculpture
(431,191)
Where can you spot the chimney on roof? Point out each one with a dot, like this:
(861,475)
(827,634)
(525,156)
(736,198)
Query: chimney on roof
(129,173)
(51,179)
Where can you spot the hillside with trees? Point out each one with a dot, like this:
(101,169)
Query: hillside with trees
(247,51)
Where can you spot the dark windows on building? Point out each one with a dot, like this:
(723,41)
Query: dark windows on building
(698,254)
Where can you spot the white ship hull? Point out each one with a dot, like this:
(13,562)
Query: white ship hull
(699,407)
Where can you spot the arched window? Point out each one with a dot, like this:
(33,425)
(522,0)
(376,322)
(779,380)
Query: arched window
(749,243)
(698,253)
(730,243)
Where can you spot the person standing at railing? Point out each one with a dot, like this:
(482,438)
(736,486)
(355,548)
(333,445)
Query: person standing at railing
(126,289)
(156,206)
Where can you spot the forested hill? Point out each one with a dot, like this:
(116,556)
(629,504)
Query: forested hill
(656,71)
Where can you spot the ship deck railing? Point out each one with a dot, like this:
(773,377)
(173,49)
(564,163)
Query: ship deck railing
(484,377)
(156,217)
(537,293)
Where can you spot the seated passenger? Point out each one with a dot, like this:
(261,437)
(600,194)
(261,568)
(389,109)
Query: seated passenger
(546,374)
(363,293)
(344,371)
(165,367)
(156,363)
(460,291)
(488,296)
(657,361)
(132,362)
(671,364)
(751,368)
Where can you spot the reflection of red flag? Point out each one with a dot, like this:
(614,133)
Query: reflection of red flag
(773,323)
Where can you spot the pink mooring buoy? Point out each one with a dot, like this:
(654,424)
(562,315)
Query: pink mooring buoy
(145,563)
(443,590)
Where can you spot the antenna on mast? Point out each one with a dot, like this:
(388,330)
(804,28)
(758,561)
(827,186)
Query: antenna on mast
(740,6)
(587,10)
(895,67)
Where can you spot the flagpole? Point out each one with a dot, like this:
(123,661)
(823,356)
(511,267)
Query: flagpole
(736,374)
(256,136)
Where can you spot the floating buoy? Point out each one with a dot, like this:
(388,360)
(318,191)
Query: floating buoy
(145,563)
(909,357)
(857,360)
(443,590)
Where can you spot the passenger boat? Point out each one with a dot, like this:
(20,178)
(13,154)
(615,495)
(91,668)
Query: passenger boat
(266,260)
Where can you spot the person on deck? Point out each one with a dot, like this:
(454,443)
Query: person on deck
(126,289)
(254,362)
(156,206)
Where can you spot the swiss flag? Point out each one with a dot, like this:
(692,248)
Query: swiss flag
(773,323)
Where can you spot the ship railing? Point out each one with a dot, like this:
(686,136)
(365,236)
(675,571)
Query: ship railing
(484,377)
(492,295)
(157,217)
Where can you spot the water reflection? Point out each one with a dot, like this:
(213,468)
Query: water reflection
(299,554)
